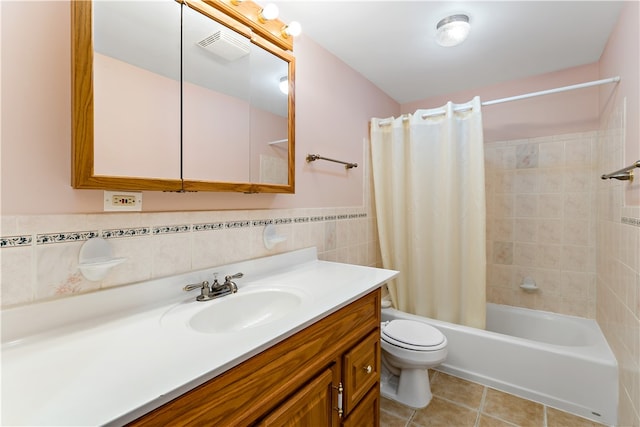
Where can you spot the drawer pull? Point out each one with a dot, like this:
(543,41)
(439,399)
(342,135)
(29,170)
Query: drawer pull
(368,369)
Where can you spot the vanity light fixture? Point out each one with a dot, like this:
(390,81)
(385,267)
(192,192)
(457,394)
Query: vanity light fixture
(268,13)
(284,85)
(293,29)
(452,30)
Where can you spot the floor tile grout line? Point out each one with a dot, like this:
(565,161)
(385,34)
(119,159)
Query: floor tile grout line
(413,414)
(482,399)
(457,403)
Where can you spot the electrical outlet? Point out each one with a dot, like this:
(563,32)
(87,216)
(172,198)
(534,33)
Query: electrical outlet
(122,201)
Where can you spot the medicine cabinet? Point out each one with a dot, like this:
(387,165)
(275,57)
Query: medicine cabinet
(181,96)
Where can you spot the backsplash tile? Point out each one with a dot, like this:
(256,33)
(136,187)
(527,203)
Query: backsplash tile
(40,262)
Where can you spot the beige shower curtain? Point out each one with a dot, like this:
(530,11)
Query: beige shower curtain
(428,175)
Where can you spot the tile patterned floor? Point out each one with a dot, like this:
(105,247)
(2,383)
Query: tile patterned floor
(460,403)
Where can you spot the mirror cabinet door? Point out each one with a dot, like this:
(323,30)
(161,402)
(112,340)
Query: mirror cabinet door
(269,118)
(136,81)
(216,100)
(167,98)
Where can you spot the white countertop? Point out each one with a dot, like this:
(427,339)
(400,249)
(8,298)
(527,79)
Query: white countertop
(106,358)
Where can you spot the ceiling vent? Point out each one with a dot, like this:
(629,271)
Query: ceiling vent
(226,45)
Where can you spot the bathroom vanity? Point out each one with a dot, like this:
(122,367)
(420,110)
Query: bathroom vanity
(298,344)
(298,381)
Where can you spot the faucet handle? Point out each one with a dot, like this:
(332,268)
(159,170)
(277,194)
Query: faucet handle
(194,286)
(232,286)
(233,276)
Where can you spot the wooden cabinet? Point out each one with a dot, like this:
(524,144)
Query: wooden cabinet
(361,370)
(312,405)
(303,380)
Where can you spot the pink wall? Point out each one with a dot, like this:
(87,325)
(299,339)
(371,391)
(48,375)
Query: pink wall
(567,112)
(333,107)
(212,123)
(622,57)
(137,121)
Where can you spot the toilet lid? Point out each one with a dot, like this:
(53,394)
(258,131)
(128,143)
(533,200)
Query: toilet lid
(412,335)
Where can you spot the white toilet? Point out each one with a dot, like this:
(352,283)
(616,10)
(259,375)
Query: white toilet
(409,348)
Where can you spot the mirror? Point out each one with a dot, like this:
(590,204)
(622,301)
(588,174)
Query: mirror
(180,96)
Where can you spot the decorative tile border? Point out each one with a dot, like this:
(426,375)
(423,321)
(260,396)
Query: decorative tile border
(237,224)
(278,221)
(74,236)
(125,232)
(171,229)
(631,221)
(116,233)
(208,226)
(15,241)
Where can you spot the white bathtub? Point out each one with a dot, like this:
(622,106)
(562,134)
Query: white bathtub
(560,361)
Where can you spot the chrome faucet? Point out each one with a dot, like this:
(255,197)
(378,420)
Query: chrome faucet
(216,290)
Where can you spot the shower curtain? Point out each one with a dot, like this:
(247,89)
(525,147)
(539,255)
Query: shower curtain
(428,177)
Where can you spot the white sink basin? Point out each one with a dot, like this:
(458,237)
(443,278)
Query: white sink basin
(232,313)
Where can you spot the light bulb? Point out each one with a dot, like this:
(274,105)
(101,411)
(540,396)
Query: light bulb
(269,12)
(293,29)
(284,85)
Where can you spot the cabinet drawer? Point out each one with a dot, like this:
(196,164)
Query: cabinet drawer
(361,369)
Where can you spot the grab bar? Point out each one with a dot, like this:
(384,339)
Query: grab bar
(624,174)
(314,157)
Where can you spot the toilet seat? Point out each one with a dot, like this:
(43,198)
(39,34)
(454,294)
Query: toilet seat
(412,335)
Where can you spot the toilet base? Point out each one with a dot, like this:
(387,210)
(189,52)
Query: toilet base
(411,388)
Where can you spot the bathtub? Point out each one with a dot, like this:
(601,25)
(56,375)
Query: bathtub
(557,360)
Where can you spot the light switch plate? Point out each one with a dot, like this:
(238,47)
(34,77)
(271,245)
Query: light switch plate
(122,201)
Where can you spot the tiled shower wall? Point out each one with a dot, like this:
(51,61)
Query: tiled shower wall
(541,222)
(618,267)
(40,253)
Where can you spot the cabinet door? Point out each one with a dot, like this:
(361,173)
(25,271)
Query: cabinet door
(367,413)
(361,370)
(312,405)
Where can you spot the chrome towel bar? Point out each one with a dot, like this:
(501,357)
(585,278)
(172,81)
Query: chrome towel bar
(314,157)
(624,174)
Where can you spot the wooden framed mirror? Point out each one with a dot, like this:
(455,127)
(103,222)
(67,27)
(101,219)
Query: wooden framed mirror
(157,107)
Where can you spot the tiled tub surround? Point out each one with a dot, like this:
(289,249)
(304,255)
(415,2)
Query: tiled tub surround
(40,253)
(618,266)
(541,222)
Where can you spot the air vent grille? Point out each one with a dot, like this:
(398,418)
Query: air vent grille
(226,44)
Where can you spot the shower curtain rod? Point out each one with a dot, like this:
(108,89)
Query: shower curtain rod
(519,97)
(533,94)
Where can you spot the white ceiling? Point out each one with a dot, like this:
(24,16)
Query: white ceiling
(392,43)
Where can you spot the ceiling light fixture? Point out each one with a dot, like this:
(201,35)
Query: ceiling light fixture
(292,30)
(452,30)
(268,13)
